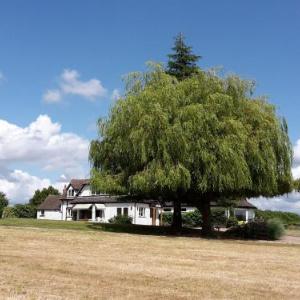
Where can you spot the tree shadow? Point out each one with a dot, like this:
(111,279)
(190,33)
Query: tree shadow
(151,230)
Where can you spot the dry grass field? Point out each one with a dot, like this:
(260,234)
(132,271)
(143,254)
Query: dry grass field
(40,263)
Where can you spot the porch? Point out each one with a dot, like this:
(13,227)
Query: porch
(89,212)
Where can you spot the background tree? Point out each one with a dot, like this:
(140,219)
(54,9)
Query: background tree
(198,140)
(182,63)
(3,202)
(40,195)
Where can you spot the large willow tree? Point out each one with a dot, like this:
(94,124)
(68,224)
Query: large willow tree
(200,139)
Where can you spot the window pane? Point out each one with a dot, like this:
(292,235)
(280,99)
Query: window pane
(119,211)
(125,211)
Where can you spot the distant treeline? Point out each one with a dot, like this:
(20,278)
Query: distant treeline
(287,218)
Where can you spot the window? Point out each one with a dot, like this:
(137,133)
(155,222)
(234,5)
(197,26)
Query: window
(142,212)
(167,209)
(119,211)
(71,192)
(183,209)
(125,211)
(42,213)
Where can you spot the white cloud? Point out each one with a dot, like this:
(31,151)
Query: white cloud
(296,165)
(289,202)
(70,84)
(115,95)
(42,144)
(52,96)
(19,186)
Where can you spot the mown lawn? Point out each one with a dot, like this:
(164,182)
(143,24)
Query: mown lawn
(41,263)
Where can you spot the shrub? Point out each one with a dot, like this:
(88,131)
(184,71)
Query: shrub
(231,222)
(167,218)
(9,212)
(218,217)
(189,219)
(258,229)
(275,229)
(120,220)
(192,218)
(25,211)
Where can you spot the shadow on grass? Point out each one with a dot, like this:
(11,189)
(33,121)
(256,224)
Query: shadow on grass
(149,230)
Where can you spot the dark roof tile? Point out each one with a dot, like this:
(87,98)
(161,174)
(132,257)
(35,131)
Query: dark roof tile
(52,202)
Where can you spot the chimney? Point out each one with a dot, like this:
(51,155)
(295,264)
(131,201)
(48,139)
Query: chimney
(65,191)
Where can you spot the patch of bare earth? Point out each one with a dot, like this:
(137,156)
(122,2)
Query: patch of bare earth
(61,264)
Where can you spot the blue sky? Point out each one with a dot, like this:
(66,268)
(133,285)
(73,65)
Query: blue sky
(81,49)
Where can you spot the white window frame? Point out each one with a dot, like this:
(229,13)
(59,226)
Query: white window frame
(142,212)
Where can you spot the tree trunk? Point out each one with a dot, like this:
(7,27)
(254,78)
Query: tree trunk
(177,219)
(206,216)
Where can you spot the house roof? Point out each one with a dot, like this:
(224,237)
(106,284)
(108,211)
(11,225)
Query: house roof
(77,184)
(110,199)
(52,202)
(245,204)
(241,204)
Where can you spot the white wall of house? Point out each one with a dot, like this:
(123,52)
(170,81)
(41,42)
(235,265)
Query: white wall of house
(183,209)
(66,213)
(49,215)
(86,191)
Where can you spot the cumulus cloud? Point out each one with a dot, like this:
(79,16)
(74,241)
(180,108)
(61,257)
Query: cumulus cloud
(42,144)
(19,186)
(289,202)
(52,96)
(296,165)
(71,84)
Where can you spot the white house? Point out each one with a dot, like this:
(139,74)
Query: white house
(78,202)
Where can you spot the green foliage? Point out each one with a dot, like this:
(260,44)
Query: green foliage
(297,185)
(218,216)
(205,135)
(189,219)
(287,218)
(3,202)
(9,212)
(231,222)
(192,218)
(40,195)
(275,229)
(121,220)
(259,229)
(167,218)
(182,63)
(25,211)
(19,211)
